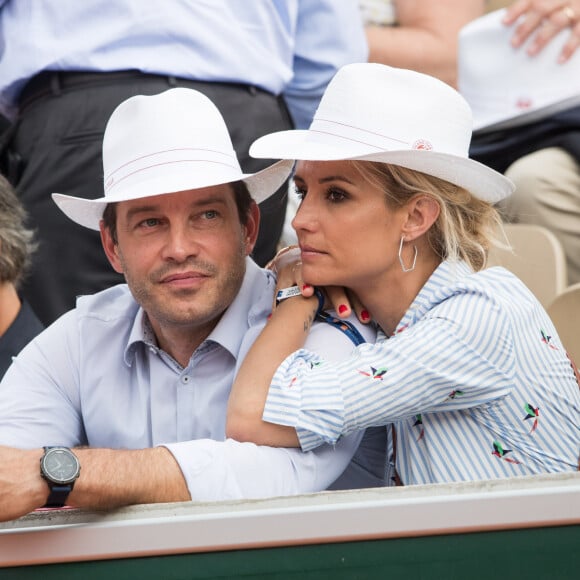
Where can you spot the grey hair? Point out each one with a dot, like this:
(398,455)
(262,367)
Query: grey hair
(16,240)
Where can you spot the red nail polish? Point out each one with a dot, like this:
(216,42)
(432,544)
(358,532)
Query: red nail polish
(342,309)
(365,315)
(305,286)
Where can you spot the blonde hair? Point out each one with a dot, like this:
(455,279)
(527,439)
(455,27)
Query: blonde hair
(467,227)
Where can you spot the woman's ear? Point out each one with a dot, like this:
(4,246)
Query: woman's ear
(422,212)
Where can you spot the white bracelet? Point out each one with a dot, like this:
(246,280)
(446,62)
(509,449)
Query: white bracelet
(287,293)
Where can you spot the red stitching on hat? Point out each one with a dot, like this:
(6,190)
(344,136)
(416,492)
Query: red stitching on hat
(168,163)
(111,173)
(353,140)
(363,130)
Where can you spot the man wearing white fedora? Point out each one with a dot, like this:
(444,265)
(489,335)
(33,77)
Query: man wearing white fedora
(136,378)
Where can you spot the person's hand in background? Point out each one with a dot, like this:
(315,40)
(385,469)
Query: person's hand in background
(541,20)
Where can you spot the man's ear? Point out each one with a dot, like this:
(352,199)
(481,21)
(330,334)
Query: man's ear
(422,213)
(110,247)
(252,227)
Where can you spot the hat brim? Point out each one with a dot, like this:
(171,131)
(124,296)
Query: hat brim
(482,181)
(89,212)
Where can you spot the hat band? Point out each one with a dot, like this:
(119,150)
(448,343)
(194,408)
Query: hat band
(169,157)
(365,137)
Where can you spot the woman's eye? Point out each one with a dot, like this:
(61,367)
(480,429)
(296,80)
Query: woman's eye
(336,195)
(300,192)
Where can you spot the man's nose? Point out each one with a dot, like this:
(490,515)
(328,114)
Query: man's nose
(181,243)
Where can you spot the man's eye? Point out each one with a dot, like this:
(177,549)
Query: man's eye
(210,214)
(149,223)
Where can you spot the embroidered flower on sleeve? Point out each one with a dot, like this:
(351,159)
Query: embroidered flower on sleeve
(501,453)
(310,364)
(532,413)
(454,394)
(419,423)
(375,373)
(546,339)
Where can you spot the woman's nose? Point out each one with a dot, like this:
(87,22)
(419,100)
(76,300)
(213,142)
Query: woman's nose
(305,216)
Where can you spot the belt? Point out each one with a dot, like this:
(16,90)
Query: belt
(53,83)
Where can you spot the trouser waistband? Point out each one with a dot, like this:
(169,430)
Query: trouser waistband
(53,83)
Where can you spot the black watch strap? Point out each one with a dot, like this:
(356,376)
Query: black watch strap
(60,468)
(58,495)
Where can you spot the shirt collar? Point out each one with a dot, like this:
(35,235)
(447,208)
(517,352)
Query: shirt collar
(251,305)
(435,289)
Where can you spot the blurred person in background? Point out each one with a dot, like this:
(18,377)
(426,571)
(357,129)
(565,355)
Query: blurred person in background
(520,72)
(67,65)
(18,323)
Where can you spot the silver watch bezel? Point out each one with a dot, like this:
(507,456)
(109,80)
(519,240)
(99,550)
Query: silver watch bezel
(45,467)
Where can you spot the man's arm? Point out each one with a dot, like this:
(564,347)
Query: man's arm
(329,34)
(108,479)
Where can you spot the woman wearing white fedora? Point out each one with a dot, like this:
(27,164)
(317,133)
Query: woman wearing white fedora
(468,373)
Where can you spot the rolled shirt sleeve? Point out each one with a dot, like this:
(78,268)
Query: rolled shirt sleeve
(433,366)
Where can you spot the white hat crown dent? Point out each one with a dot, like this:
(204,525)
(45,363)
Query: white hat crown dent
(159,144)
(379,124)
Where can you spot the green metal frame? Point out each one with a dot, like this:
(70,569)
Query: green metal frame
(533,554)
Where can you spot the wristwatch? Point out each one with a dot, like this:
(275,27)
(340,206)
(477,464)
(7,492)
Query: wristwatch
(60,467)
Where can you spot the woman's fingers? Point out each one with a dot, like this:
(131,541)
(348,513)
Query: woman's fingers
(339,299)
(359,309)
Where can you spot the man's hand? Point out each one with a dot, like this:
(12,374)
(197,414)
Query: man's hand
(109,478)
(541,21)
(22,488)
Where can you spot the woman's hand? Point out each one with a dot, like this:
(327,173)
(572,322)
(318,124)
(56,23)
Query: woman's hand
(542,20)
(288,268)
(344,302)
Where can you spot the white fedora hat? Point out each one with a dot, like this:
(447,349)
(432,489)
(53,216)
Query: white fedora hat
(374,112)
(174,141)
(506,87)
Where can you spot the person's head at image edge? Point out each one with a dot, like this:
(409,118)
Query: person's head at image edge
(387,189)
(16,240)
(178,218)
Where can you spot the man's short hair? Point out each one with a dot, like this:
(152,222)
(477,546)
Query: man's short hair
(244,202)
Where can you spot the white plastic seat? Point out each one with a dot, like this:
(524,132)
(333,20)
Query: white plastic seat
(565,313)
(538,259)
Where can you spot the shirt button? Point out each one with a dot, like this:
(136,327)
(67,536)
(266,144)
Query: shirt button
(185,379)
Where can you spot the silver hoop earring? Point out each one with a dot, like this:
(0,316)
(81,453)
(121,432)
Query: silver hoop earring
(405,269)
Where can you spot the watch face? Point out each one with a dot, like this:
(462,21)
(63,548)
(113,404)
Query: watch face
(60,465)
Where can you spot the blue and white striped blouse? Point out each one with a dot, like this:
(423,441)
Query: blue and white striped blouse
(475,381)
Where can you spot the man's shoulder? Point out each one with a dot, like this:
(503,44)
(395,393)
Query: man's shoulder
(109,304)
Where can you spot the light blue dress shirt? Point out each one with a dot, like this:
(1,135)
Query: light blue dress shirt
(474,379)
(292,47)
(96,377)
